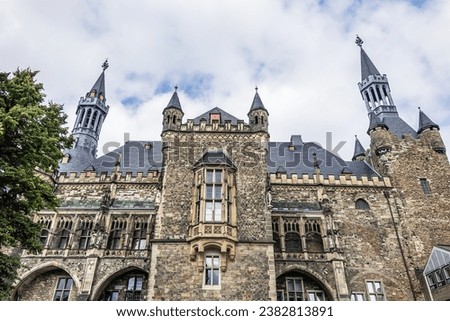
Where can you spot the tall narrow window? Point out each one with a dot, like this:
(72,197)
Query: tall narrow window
(425,186)
(63,288)
(44,237)
(213,199)
(85,236)
(212,269)
(134,288)
(115,236)
(139,241)
(375,291)
(63,239)
(294,289)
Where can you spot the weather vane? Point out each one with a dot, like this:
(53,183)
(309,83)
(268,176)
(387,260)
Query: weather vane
(359,41)
(105,64)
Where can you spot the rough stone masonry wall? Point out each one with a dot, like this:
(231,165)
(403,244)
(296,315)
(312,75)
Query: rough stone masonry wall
(425,219)
(246,152)
(175,277)
(368,242)
(246,279)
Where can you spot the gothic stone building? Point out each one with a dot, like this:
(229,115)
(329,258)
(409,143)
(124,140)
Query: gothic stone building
(215,210)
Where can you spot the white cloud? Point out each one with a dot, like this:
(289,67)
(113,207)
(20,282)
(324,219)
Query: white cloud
(301,54)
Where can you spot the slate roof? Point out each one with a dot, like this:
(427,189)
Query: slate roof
(425,122)
(398,126)
(359,149)
(299,159)
(224,116)
(214,158)
(174,101)
(99,86)
(257,103)
(367,66)
(134,157)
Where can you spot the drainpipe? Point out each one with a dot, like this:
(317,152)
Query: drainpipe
(386,195)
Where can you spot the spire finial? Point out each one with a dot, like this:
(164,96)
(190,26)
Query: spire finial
(418,108)
(359,41)
(256,88)
(105,65)
(176,88)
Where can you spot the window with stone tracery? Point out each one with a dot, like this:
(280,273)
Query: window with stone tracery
(299,234)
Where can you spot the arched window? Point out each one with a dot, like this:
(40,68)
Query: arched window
(361,204)
(86,119)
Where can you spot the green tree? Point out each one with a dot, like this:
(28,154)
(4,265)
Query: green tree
(32,138)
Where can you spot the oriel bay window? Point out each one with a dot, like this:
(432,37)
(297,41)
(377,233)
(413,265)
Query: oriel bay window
(214,196)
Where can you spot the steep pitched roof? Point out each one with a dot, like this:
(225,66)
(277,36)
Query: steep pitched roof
(367,66)
(174,101)
(374,122)
(425,122)
(99,86)
(359,149)
(224,116)
(257,103)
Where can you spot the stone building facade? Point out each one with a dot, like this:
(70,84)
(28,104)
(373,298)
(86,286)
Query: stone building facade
(215,210)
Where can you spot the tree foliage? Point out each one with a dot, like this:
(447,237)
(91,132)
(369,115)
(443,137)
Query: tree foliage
(32,138)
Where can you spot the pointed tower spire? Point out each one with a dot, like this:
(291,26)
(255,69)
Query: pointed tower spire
(376,93)
(375,122)
(174,101)
(173,114)
(359,152)
(98,90)
(258,115)
(425,122)
(257,102)
(91,114)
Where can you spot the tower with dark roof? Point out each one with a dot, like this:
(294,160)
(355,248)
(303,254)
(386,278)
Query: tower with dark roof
(376,93)
(258,116)
(91,113)
(173,114)
(359,153)
(429,132)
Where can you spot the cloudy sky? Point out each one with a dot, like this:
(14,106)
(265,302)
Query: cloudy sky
(301,54)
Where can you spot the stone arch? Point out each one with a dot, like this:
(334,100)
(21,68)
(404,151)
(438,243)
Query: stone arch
(327,288)
(31,275)
(104,282)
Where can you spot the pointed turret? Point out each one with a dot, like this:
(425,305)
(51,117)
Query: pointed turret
(359,153)
(91,114)
(173,114)
(425,122)
(258,115)
(375,122)
(429,132)
(376,93)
